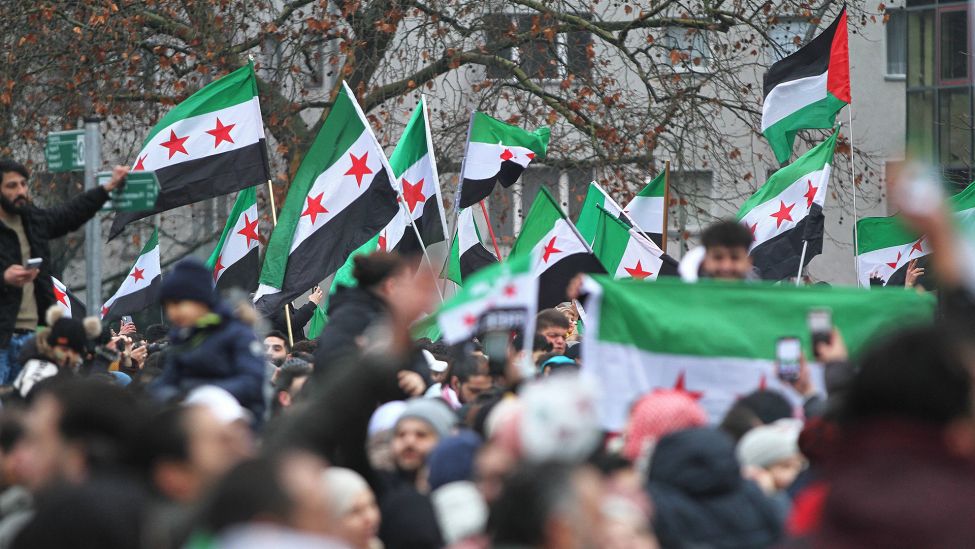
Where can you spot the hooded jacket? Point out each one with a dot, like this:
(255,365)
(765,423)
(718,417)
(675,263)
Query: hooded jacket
(700,498)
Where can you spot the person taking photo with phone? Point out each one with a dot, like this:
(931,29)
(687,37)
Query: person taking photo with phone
(25,234)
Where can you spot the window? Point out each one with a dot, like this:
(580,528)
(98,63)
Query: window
(787,35)
(896,43)
(920,57)
(954,119)
(687,49)
(548,56)
(954,53)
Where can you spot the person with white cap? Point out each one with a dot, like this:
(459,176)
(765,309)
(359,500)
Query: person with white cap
(354,513)
(380,435)
(770,454)
(420,427)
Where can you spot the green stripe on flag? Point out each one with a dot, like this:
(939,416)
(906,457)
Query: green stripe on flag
(153,242)
(612,237)
(542,216)
(877,233)
(819,115)
(245,199)
(655,187)
(412,145)
(485,129)
(590,212)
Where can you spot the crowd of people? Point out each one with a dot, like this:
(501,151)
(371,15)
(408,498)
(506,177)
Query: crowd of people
(217,430)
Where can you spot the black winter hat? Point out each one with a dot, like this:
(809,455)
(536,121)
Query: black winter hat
(68,332)
(190,280)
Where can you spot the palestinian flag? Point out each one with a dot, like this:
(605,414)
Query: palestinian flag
(628,254)
(236,261)
(497,152)
(140,289)
(716,340)
(340,198)
(788,210)
(559,253)
(886,245)
(806,89)
(597,200)
(467,254)
(69,303)
(209,145)
(646,210)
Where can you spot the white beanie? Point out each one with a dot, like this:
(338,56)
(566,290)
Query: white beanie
(341,487)
(767,444)
(385,417)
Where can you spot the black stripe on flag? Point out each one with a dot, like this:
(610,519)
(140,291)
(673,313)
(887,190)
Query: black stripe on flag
(475,259)
(778,257)
(243,273)
(554,281)
(473,191)
(810,60)
(197,180)
(430,229)
(130,304)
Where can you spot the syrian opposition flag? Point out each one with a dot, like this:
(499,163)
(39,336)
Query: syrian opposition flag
(140,289)
(625,253)
(716,340)
(885,245)
(67,301)
(787,211)
(647,208)
(467,254)
(209,145)
(236,261)
(341,197)
(597,200)
(558,250)
(497,152)
(806,89)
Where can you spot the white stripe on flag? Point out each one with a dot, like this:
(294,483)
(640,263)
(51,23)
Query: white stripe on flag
(484,159)
(560,242)
(788,208)
(789,97)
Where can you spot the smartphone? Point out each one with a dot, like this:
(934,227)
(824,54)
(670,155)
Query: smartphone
(820,323)
(34,263)
(788,353)
(126,320)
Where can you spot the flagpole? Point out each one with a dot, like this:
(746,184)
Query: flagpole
(856,217)
(460,183)
(802,260)
(274,220)
(663,237)
(487,220)
(416,231)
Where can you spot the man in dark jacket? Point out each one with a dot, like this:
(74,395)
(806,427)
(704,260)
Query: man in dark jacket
(25,233)
(208,345)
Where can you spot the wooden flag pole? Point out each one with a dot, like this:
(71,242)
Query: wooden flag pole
(274,221)
(663,236)
(487,219)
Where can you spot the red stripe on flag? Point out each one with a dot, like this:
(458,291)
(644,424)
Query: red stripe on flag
(838,79)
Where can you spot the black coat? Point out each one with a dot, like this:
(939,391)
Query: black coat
(700,498)
(41,226)
(350,312)
(299,318)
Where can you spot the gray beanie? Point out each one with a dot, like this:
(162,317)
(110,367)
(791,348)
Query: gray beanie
(433,411)
(767,444)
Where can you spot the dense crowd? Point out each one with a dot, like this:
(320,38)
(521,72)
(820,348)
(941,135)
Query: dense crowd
(215,429)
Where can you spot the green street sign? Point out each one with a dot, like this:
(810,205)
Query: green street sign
(65,151)
(139,193)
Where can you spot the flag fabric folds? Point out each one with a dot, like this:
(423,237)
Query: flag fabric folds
(497,152)
(236,260)
(209,145)
(140,288)
(806,89)
(559,251)
(646,209)
(625,253)
(67,301)
(714,340)
(787,211)
(467,254)
(341,197)
(590,213)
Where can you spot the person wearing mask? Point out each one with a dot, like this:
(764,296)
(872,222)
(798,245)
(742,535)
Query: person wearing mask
(209,344)
(25,233)
(554,327)
(726,245)
(353,509)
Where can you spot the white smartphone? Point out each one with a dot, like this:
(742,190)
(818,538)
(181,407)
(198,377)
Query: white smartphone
(788,352)
(34,263)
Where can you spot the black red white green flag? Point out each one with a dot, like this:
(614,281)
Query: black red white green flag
(497,153)
(67,301)
(646,209)
(209,145)
(236,261)
(806,89)
(558,250)
(627,253)
(341,197)
(597,200)
(140,288)
(788,211)
(467,253)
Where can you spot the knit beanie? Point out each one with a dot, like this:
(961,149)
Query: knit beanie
(657,414)
(433,411)
(767,444)
(453,459)
(190,280)
(68,332)
(385,417)
(342,486)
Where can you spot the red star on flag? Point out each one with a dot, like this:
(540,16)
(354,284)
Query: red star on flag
(680,386)
(217,268)
(105,310)
(175,144)
(250,230)
(60,296)
(752,228)
(896,261)
(137,274)
(762,383)
(917,247)
(221,133)
(784,214)
(382,242)
(637,272)
(810,193)
(510,290)
(413,193)
(469,319)
(314,207)
(550,249)
(531,156)
(359,168)
(507,155)
(138,165)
